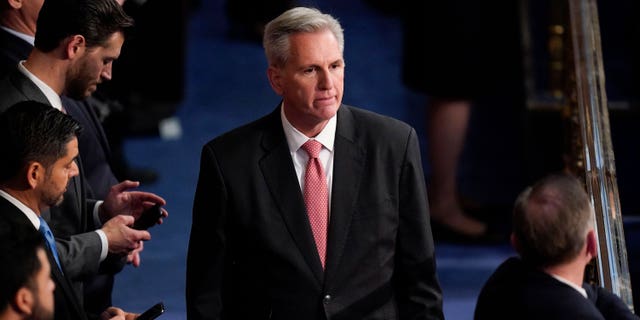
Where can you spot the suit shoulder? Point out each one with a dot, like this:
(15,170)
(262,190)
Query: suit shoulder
(371,125)
(243,135)
(377,121)
(10,92)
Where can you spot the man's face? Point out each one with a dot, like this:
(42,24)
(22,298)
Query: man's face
(312,81)
(93,67)
(43,305)
(57,176)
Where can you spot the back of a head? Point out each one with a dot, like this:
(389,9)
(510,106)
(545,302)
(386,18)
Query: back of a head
(95,20)
(299,19)
(551,220)
(18,260)
(32,131)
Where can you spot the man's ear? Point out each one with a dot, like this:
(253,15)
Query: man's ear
(592,243)
(35,174)
(514,242)
(76,45)
(15,4)
(23,301)
(275,79)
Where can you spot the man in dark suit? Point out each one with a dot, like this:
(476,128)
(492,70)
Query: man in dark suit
(272,239)
(554,234)
(69,59)
(40,145)
(26,292)
(17,30)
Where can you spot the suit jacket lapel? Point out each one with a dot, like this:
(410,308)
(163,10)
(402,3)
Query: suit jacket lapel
(280,176)
(348,164)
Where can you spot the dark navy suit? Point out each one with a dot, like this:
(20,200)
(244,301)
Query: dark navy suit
(518,291)
(94,183)
(67,304)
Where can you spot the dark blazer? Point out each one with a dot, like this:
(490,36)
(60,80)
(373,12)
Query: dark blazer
(67,304)
(94,147)
(72,220)
(252,254)
(517,291)
(12,50)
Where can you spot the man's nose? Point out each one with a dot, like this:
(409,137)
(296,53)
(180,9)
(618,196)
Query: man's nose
(106,72)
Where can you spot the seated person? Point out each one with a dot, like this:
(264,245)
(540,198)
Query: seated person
(553,232)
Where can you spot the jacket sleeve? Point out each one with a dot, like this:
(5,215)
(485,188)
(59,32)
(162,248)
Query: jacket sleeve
(206,253)
(417,287)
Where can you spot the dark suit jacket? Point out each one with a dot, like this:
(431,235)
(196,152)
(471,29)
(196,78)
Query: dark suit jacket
(94,154)
(12,50)
(72,220)
(67,305)
(517,291)
(252,254)
(94,148)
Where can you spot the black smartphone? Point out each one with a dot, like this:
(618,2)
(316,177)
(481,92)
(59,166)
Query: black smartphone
(152,312)
(148,218)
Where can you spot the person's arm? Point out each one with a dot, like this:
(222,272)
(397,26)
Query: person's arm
(205,258)
(611,306)
(80,254)
(417,287)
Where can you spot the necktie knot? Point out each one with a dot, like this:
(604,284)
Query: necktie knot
(312,147)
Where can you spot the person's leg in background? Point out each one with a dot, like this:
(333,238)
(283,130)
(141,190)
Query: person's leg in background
(447,122)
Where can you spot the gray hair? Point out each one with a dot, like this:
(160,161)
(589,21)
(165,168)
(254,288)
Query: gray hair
(551,220)
(299,19)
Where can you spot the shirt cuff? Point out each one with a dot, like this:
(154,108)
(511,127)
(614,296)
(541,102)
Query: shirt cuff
(96,217)
(105,244)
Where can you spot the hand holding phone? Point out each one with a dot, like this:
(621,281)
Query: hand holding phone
(152,312)
(148,218)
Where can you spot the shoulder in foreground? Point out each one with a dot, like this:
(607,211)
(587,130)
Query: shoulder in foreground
(372,119)
(244,133)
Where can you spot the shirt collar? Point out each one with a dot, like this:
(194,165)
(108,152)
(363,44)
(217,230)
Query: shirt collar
(52,96)
(295,138)
(581,290)
(29,39)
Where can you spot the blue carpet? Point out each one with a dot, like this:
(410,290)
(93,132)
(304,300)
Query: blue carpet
(226,86)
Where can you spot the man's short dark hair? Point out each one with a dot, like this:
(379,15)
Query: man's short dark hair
(18,260)
(95,20)
(33,131)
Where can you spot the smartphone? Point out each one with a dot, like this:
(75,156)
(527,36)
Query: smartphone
(148,218)
(152,312)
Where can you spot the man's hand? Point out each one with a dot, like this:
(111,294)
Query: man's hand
(114,313)
(120,201)
(123,239)
(134,256)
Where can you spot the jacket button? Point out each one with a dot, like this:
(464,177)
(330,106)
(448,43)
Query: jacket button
(326,299)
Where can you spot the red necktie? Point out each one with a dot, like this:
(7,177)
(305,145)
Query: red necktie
(316,197)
